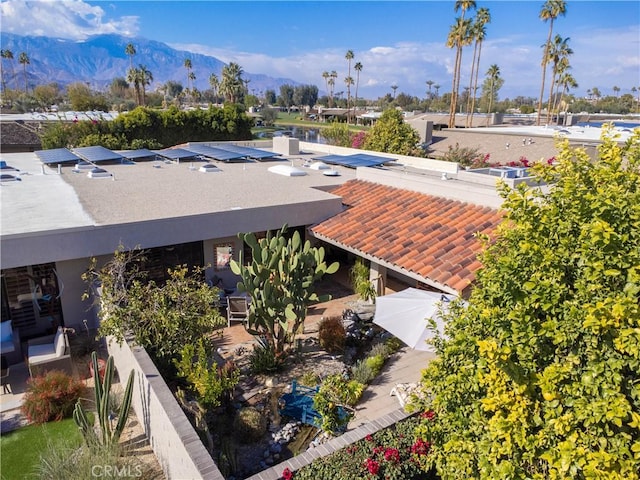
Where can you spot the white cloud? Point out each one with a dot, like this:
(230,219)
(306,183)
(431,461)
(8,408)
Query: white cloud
(73,19)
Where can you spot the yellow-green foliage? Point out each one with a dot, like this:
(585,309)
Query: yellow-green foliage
(538,377)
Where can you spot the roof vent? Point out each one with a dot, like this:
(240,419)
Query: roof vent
(287,171)
(208,168)
(98,172)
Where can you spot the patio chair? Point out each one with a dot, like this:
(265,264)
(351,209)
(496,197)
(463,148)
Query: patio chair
(51,352)
(237,309)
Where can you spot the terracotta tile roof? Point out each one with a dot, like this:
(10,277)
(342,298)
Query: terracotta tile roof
(430,236)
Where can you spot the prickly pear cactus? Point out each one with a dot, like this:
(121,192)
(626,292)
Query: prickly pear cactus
(280,281)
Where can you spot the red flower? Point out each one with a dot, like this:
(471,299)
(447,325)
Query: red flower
(369,438)
(372,466)
(420,447)
(287,474)
(378,450)
(428,415)
(392,455)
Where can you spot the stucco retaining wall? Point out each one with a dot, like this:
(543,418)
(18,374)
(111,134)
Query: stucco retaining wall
(173,439)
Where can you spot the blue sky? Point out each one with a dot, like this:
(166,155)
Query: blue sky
(400,43)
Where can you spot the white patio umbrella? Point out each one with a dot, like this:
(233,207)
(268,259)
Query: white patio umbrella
(405,315)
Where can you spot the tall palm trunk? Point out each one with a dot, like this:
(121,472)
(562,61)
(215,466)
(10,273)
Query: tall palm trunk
(545,61)
(471,90)
(454,88)
(475,84)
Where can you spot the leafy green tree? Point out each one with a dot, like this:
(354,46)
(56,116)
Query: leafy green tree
(83,99)
(47,95)
(280,281)
(160,318)
(538,375)
(269,116)
(337,134)
(391,134)
(285,99)
(270,97)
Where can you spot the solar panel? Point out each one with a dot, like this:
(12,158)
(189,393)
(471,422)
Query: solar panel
(97,154)
(57,155)
(215,153)
(353,161)
(373,159)
(176,153)
(247,151)
(137,154)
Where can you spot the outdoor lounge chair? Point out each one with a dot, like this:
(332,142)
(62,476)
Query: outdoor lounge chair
(50,353)
(10,346)
(237,309)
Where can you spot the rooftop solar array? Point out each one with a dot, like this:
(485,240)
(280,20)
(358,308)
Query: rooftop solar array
(213,152)
(97,154)
(246,151)
(176,153)
(356,160)
(137,154)
(57,155)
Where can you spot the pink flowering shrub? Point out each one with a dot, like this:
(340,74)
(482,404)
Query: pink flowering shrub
(357,139)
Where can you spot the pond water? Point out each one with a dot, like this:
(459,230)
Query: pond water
(305,134)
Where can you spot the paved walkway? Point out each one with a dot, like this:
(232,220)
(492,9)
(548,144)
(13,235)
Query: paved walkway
(405,366)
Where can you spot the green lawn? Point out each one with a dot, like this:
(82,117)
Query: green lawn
(295,118)
(21,448)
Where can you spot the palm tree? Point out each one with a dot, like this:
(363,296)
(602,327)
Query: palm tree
(458,38)
(394,87)
(559,52)
(231,85)
(8,55)
(130,50)
(133,77)
(3,56)
(567,81)
(479,32)
(145,79)
(325,75)
(429,85)
(494,74)
(348,82)
(358,68)
(188,65)
(349,56)
(215,84)
(616,90)
(192,78)
(551,10)
(436,88)
(23,59)
(332,83)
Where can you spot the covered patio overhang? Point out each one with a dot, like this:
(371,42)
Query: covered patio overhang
(380,265)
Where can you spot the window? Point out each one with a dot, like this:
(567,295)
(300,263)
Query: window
(223,255)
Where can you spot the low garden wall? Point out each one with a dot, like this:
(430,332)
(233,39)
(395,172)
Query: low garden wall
(306,458)
(173,439)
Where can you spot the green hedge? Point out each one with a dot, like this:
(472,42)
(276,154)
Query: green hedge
(148,128)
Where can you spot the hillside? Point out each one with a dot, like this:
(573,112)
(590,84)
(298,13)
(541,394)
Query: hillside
(99,59)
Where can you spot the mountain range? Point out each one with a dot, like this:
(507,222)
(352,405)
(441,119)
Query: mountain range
(101,58)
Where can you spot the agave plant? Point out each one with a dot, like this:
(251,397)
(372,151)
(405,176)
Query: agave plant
(108,435)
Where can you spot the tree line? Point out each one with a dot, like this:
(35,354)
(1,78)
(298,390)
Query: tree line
(149,128)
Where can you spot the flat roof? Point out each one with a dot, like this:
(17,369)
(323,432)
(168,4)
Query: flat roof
(46,200)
